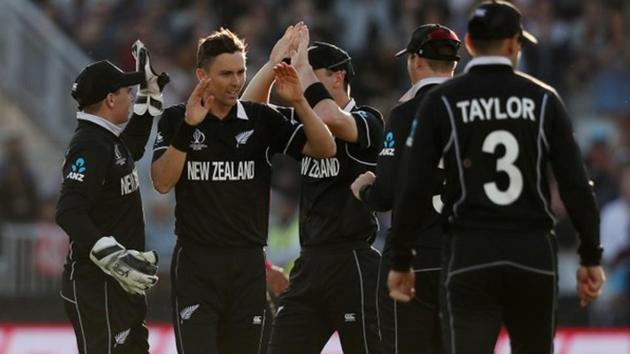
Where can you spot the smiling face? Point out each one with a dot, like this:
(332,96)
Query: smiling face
(227,72)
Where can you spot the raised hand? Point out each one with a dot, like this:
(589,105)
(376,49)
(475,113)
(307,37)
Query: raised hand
(288,85)
(287,45)
(149,96)
(199,102)
(300,57)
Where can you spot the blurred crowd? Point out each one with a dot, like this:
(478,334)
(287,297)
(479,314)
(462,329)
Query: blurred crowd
(584,52)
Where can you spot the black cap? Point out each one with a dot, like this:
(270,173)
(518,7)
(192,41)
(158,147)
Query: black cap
(497,20)
(433,41)
(322,55)
(100,78)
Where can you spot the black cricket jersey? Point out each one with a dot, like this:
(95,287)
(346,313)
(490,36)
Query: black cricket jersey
(380,195)
(329,213)
(497,130)
(100,193)
(222,196)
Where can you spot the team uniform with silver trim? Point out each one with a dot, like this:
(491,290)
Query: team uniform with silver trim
(333,282)
(497,130)
(100,196)
(409,327)
(222,215)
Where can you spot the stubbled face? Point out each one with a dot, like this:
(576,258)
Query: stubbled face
(228,74)
(122,99)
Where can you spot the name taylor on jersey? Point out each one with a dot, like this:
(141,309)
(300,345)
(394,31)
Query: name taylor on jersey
(479,109)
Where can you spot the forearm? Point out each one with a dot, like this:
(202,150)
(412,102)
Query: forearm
(167,169)
(320,139)
(259,87)
(136,134)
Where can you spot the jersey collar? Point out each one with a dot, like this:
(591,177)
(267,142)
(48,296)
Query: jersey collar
(488,60)
(240,111)
(350,106)
(411,93)
(115,129)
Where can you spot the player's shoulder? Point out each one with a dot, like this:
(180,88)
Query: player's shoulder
(369,113)
(256,110)
(175,112)
(96,140)
(536,83)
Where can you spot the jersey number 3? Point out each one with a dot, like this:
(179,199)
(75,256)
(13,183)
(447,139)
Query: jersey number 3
(504,164)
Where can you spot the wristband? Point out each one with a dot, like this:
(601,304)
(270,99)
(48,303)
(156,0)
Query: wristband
(181,141)
(268,265)
(315,93)
(363,192)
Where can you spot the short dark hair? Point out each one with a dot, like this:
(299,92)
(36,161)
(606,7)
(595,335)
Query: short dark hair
(441,66)
(217,43)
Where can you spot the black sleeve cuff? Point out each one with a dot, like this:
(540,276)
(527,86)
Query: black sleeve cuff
(590,255)
(181,140)
(316,92)
(401,259)
(364,193)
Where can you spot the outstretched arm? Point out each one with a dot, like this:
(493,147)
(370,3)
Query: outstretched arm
(167,169)
(259,87)
(320,142)
(341,123)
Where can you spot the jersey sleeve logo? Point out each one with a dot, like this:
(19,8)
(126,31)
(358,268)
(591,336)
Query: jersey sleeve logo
(77,170)
(389,148)
(118,157)
(159,139)
(198,140)
(241,138)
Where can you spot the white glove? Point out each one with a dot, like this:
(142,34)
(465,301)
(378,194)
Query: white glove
(135,271)
(150,94)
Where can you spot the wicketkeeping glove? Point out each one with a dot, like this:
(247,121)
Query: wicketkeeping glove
(135,271)
(150,94)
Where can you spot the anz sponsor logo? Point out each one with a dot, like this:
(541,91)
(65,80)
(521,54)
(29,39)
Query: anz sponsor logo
(320,168)
(77,170)
(220,170)
(389,148)
(129,183)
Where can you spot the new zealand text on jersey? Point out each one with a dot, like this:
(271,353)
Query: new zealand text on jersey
(494,108)
(320,168)
(129,183)
(221,170)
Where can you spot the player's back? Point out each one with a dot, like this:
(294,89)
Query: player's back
(498,153)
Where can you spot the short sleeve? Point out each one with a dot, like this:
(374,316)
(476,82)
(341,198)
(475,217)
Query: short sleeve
(165,131)
(286,133)
(369,126)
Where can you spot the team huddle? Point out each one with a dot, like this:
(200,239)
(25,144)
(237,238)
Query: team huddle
(463,163)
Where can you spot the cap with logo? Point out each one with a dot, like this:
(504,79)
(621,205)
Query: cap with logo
(322,55)
(433,41)
(100,78)
(497,20)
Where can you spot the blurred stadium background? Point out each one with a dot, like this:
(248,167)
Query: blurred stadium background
(584,52)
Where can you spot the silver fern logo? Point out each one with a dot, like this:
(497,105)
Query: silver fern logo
(187,312)
(241,138)
(121,337)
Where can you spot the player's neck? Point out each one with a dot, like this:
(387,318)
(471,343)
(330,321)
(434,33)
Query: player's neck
(220,110)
